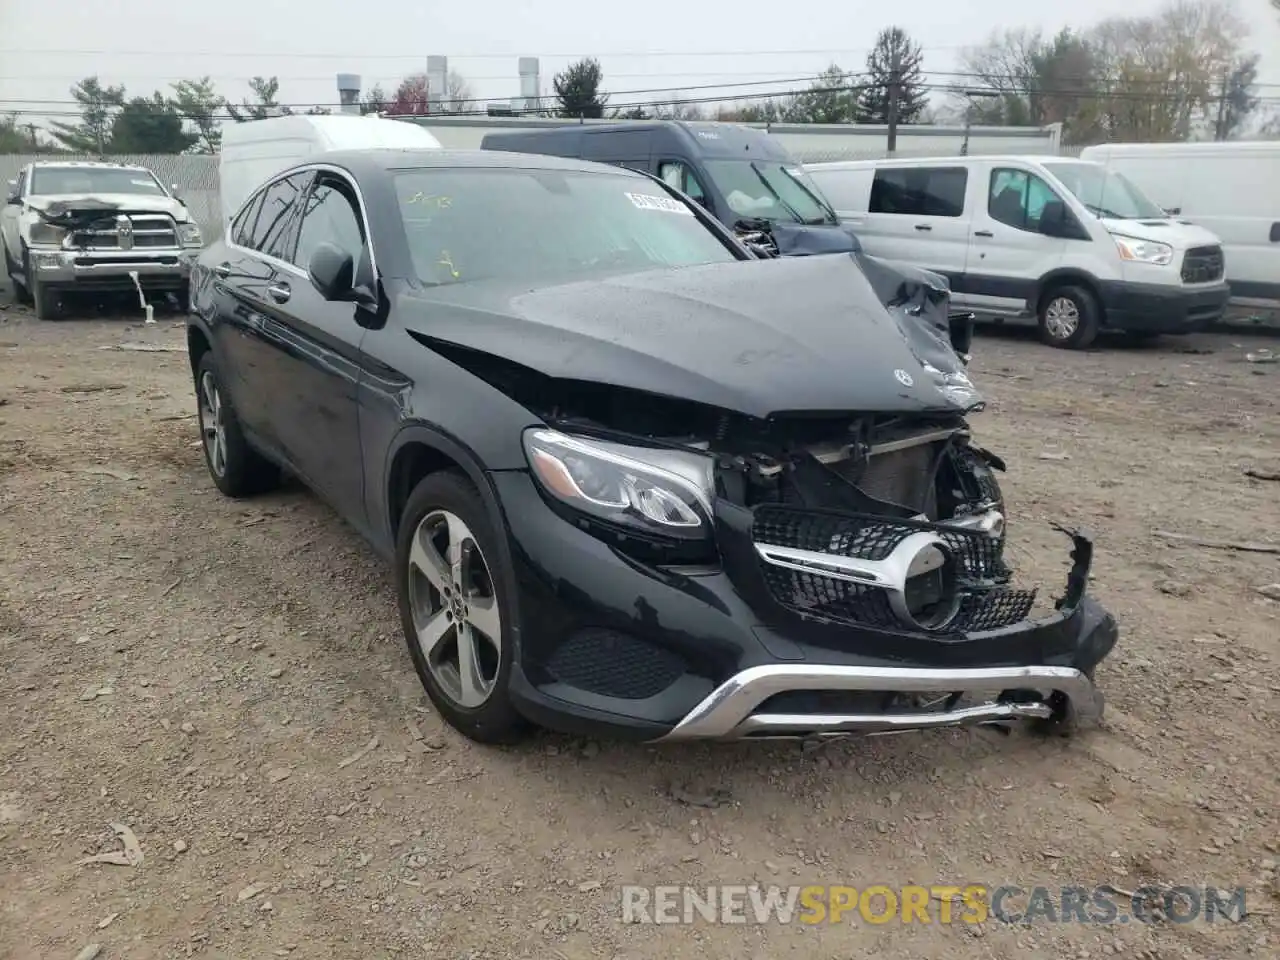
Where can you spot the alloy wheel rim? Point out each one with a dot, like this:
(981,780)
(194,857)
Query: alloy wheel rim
(211,424)
(456,621)
(1062,317)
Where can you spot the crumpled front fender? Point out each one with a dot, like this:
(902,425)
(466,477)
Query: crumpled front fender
(920,301)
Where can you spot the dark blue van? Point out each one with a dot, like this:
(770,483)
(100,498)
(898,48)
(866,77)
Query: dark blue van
(743,176)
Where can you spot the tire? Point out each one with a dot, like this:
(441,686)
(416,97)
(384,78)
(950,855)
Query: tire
(445,511)
(20,291)
(236,468)
(1069,317)
(46,303)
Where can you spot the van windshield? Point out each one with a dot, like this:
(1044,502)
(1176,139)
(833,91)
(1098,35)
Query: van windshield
(1105,193)
(534,224)
(756,189)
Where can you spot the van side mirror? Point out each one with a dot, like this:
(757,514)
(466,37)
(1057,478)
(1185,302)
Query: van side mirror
(332,272)
(1054,221)
(11,193)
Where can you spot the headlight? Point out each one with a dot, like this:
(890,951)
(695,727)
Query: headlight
(662,495)
(46,234)
(1143,251)
(189,234)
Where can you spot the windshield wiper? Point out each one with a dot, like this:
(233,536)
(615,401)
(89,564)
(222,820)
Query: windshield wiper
(777,196)
(829,215)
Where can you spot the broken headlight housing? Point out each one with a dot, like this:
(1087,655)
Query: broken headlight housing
(633,496)
(46,235)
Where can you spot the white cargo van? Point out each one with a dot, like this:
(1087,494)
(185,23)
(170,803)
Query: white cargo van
(252,152)
(1231,188)
(1050,239)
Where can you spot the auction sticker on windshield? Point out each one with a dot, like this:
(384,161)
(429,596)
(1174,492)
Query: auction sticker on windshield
(645,202)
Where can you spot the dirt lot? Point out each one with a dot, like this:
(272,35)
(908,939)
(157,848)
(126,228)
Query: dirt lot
(204,672)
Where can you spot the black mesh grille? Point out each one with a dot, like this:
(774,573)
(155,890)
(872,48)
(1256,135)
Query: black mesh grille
(614,664)
(988,604)
(1202,265)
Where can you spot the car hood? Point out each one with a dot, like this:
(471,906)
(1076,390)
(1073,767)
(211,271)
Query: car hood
(59,207)
(1179,233)
(790,335)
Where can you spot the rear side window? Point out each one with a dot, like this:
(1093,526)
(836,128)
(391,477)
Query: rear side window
(273,232)
(919,191)
(242,225)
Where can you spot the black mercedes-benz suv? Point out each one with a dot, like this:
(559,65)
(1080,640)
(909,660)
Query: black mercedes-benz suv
(632,479)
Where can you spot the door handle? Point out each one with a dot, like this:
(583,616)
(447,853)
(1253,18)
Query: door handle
(983,233)
(279,292)
(222,270)
(923,226)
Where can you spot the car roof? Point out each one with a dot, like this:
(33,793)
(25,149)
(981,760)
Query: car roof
(382,159)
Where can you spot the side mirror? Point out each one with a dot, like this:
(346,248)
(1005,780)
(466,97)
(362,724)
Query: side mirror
(1053,219)
(11,195)
(333,273)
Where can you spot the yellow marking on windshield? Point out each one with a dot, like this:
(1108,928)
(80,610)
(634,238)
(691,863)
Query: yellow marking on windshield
(439,201)
(446,260)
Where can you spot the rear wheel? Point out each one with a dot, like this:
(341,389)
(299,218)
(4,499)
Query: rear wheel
(236,468)
(1069,317)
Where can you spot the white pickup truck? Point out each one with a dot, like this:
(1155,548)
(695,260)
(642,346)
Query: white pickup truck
(92,227)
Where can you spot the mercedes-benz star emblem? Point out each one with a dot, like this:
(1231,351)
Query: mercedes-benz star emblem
(903,377)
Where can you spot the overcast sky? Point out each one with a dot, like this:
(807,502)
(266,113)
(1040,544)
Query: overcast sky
(146,44)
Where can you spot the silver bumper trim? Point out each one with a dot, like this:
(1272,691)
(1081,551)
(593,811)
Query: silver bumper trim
(729,711)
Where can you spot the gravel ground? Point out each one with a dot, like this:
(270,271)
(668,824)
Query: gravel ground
(227,681)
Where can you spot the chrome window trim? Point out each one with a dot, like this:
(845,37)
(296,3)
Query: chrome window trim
(294,171)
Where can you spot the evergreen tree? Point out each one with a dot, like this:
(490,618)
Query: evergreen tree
(873,102)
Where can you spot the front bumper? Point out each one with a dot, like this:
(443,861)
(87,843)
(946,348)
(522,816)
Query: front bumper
(1155,308)
(734,709)
(608,645)
(158,270)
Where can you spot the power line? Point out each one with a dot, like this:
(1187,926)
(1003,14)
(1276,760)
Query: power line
(349,55)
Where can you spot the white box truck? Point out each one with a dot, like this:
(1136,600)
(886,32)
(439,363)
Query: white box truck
(1230,188)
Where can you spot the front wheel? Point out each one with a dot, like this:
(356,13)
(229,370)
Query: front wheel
(455,606)
(1069,317)
(46,303)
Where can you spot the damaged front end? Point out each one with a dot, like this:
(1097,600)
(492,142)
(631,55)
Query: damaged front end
(870,550)
(744,516)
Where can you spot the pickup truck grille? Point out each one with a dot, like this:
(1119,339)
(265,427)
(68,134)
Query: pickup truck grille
(149,231)
(1202,265)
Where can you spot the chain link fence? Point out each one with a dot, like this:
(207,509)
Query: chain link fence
(195,177)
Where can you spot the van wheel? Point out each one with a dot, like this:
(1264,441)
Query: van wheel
(1069,317)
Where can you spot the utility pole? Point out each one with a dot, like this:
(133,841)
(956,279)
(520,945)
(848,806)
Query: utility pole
(895,88)
(31,132)
(1220,128)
